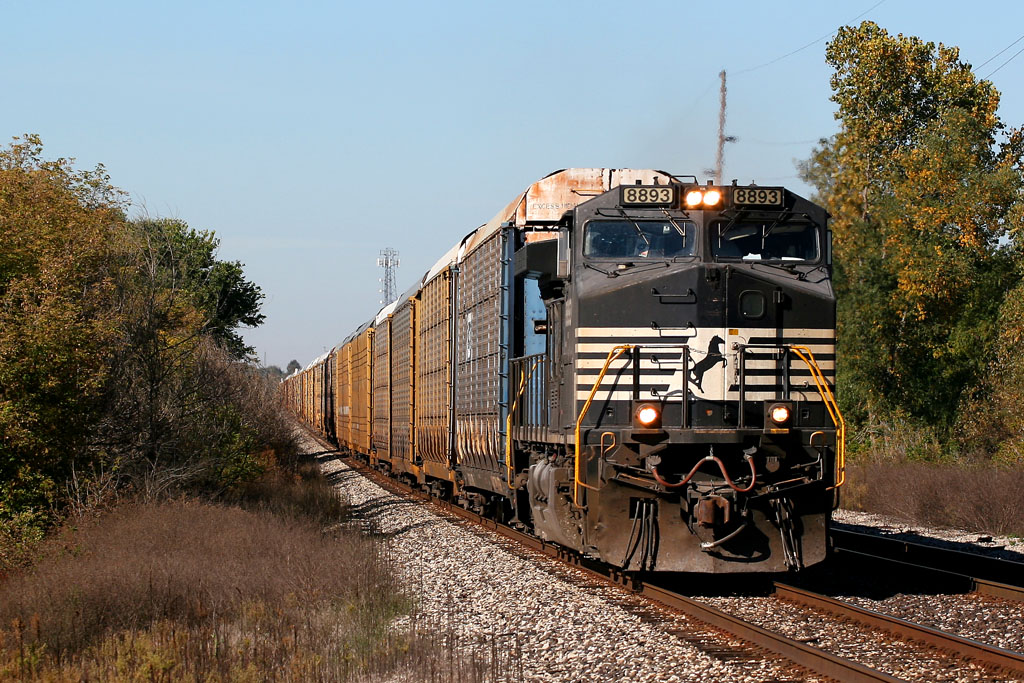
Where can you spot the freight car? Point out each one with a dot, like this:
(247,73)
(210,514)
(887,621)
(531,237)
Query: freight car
(628,363)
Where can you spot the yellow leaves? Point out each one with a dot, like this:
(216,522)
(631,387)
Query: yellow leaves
(920,196)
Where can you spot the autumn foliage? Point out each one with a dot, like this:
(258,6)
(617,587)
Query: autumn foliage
(119,352)
(924,182)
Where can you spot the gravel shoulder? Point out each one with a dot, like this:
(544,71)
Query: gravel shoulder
(566,626)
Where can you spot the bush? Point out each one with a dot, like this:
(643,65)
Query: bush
(895,437)
(204,589)
(19,538)
(981,498)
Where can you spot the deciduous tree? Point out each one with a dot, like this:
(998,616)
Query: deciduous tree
(119,342)
(59,231)
(922,180)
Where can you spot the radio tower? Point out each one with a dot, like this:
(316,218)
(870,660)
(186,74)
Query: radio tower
(388,260)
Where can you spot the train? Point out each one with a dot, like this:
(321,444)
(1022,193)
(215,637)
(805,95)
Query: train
(632,364)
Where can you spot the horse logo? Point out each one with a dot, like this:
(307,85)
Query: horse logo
(712,357)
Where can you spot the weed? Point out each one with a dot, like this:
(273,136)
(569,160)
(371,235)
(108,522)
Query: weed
(983,498)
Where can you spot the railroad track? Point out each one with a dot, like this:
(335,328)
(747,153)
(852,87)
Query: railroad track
(989,576)
(998,659)
(1000,662)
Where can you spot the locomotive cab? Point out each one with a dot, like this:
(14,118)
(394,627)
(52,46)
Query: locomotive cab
(689,359)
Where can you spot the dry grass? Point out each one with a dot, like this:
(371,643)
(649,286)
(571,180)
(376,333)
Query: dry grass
(274,587)
(198,566)
(981,498)
(300,494)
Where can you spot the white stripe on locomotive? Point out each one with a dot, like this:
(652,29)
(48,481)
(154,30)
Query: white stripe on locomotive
(661,363)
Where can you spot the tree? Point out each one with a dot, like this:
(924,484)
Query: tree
(921,192)
(119,344)
(171,408)
(218,289)
(59,230)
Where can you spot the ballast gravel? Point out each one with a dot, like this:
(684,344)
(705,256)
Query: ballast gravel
(877,650)
(564,625)
(986,620)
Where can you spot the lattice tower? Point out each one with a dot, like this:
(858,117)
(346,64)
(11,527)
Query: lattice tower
(388,260)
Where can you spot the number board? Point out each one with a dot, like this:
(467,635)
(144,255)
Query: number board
(758,196)
(648,195)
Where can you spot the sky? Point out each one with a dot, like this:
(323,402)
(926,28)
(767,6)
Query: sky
(311,135)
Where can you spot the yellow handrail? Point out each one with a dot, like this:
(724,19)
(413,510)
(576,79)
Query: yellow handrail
(605,451)
(508,424)
(612,355)
(833,411)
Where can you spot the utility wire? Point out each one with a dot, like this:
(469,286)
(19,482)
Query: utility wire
(801,49)
(781,144)
(1005,63)
(999,53)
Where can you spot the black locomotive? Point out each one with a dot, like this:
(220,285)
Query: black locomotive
(625,362)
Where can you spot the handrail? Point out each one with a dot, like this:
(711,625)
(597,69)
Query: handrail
(508,424)
(612,356)
(833,411)
(605,451)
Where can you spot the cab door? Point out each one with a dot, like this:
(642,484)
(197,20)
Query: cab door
(556,355)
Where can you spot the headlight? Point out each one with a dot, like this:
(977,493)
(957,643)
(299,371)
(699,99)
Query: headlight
(704,198)
(779,414)
(648,415)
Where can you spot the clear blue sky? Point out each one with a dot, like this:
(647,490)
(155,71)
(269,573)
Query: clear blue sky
(310,135)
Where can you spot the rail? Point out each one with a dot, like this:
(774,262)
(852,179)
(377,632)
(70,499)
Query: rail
(801,654)
(989,655)
(991,575)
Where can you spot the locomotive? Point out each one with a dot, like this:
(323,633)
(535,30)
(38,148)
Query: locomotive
(628,363)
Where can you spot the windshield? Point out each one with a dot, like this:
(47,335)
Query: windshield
(764,241)
(624,238)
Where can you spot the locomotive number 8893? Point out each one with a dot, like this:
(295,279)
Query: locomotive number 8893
(625,362)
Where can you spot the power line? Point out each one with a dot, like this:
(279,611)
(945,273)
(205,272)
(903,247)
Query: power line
(1005,63)
(777,178)
(999,53)
(782,144)
(801,49)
